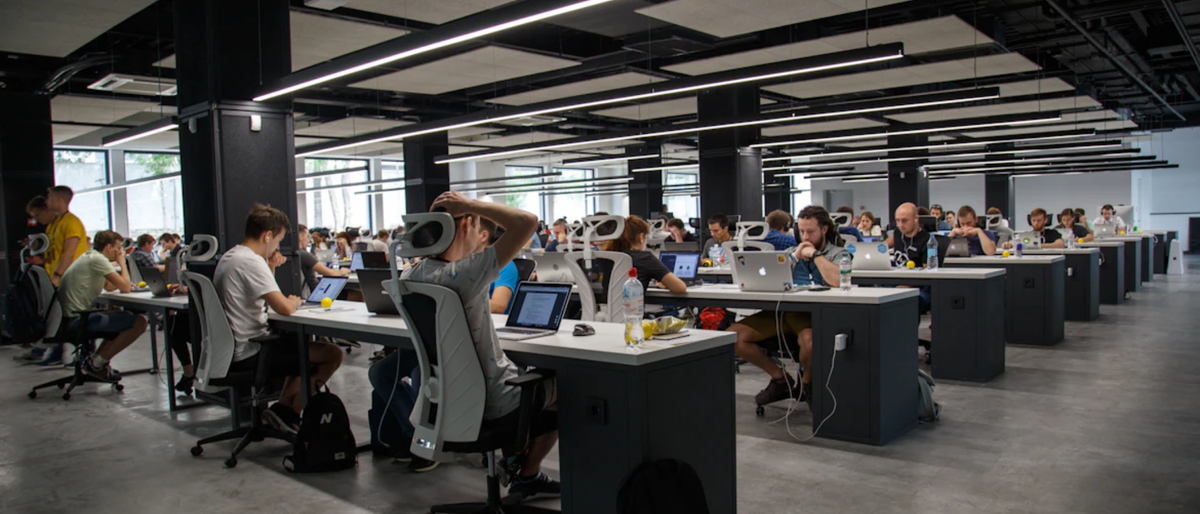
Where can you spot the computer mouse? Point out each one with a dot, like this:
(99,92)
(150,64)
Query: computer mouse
(583,329)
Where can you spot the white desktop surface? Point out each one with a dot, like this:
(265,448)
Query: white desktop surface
(939,274)
(1002,261)
(714,270)
(1097,244)
(179,301)
(608,345)
(1062,251)
(856,295)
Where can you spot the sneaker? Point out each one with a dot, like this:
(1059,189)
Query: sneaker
(510,467)
(282,418)
(104,373)
(777,390)
(69,354)
(540,486)
(52,357)
(806,394)
(419,465)
(185,385)
(31,354)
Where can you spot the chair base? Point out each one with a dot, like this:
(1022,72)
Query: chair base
(483,508)
(77,379)
(255,432)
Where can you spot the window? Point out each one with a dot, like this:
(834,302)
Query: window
(81,170)
(573,207)
(803,197)
(682,206)
(525,201)
(333,207)
(394,203)
(154,207)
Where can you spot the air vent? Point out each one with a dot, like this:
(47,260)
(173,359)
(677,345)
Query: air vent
(135,85)
(669,47)
(531,121)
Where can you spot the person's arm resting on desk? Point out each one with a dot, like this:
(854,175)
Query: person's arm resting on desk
(830,273)
(285,305)
(989,246)
(114,281)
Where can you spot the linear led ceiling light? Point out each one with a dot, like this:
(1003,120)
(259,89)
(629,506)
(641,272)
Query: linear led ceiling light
(688,166)
(865,179)
(524,188)
(587,161)
(638,93)
(1113,150)
(1147,165)
(519,20)
(1099,162)
(938,146)
(925,128)
(155,127)
(1063,157)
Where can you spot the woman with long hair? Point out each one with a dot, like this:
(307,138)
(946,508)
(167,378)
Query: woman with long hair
(868,226)
(342,249)
(633,243)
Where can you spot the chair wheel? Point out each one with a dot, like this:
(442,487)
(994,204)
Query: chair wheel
(231,462)
(348,350)
(60,386)
(32,395)
(119,387)
(66,396)
(759,411)
(197,451)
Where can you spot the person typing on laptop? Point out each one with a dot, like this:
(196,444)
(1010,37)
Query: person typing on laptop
(143,253)
(1108,216)
(245,283)
(310,266)
(1068,223)
(1050,238)
(980,241)
(470,273)
(633,243)
(909,241)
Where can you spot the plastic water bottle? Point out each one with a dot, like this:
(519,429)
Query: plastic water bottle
(844,272)
(714,254)
(931,253)
(1020,249)
(633,298)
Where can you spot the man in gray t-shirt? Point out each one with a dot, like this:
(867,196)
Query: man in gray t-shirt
(469,269)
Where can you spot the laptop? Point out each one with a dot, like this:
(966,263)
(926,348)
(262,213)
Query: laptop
(767,272)
(682,264)
(673,247)
(959,247)
(1028,240)
(374,295)
(1105,230)
(869,256)
(325,257)
(371,260)
(328,287)
(537,310)
(154,281)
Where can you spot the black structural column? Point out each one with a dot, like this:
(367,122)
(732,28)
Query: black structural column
(906,181)
(646,188)
(731,180)
(424,179)
(777,194)
(998,192)
(235,152)
(26,170)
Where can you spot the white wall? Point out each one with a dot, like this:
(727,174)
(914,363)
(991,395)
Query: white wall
(1056,192)
(957,192)
(1168,197)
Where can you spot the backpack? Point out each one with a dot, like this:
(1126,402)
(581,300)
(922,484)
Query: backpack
(665,486)
(715,318)
(20,318)
(324,441)
(928,410)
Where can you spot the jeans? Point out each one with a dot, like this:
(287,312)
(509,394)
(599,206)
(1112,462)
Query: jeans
(924,300)
(385,377)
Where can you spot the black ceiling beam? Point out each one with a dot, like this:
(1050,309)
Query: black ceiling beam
(1177,20)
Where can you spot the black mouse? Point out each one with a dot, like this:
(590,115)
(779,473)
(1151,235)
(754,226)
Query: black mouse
(583,329)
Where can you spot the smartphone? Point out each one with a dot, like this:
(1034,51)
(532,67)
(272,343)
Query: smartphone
(814,287)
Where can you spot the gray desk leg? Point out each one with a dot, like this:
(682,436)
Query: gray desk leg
(967,333)
(153,344)
(172,405)
(1082,299)
(874,379)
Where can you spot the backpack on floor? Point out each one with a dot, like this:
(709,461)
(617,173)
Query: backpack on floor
(928,410)
(20,316)
(715,318)
(324,441)
(666,486)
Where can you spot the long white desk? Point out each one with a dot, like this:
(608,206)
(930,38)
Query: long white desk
(1145,264)
(146,302)
(1133,260)
(617,408)
(1082,284)
(1033,299)
(967,333)
(1112,270)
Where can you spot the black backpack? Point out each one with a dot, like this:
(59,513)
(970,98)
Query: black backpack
(19,316)
(665,486)
(324,441)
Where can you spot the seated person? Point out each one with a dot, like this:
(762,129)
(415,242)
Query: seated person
(718,228)
(245,283)
(868,226)
(813,263)
(936,211)
(310,267)
(469,273)
(1050,238)
(1108,216)
(1003,229)
(342,249)
(952,220)
(558,235)
(168,245)
(910,245)
(679,232)
(778,222)
(142,255)
(1082,219)
(980,241)
(633,243)
(91,274)
(850,228)
(1076,230)
(503,289)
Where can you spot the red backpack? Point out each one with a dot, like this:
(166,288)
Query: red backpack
(715,318)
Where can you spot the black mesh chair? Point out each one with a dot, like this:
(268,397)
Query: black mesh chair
(525,268)
(75,331)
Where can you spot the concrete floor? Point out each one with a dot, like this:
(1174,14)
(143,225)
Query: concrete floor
(1105,422)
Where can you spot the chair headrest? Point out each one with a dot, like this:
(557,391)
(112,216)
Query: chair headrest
(840,219)
(38,244)
(603,228)
(425,234)
(202,248)
(658,225)
(752,230)
(993,220)
(128,244)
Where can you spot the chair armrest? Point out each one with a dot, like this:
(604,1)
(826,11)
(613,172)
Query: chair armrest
(529,383)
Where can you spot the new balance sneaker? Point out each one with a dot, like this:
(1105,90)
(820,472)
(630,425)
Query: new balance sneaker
(31,354)
(104,373)
(52,357)
(282,418)
(778,389)
(185,385)
(538,486)
(419,465)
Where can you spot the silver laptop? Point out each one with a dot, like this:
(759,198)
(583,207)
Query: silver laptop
(683,264)
(537,310)
(1105,230)
(869,256)
(1028,240)
(328,287)
(766,272)
(959,247)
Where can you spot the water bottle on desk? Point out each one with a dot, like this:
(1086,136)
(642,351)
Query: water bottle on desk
(633,299)
(931,253)
(1020,249)
(844,265)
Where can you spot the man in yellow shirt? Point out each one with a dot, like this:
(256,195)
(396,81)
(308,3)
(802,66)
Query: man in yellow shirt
(66,233)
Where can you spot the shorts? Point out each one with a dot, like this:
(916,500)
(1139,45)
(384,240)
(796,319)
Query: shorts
(106,324)
(285,358)
(542,400)
(764,325)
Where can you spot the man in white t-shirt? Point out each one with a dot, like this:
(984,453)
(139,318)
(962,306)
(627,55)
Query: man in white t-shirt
(245,282)
(1108,216)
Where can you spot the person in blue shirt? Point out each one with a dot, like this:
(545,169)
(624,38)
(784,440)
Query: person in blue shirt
(501,292)
(979,241)
(849,229)
(778,222)
(937,211)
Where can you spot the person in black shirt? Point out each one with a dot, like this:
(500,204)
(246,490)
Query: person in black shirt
(679,232)
(1067,222)
(910,245)
(1050,238)
(633,243)
(310,266)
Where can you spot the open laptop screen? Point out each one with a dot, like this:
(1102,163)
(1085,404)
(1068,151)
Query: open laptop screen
(683,265)
(539,305)
(328,287)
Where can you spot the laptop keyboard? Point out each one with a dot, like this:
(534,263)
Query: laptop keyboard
(525,331)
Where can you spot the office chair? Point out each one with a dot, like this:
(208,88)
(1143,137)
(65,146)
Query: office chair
(655,240)
(77,333)
(749,238)
(525,268)
(216,357)
(135,274)
(581,264)
(448,416)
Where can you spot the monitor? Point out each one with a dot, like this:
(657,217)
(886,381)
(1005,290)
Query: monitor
(683,265)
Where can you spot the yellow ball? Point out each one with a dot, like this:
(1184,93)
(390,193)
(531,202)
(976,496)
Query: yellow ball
(911,264)
(1006,254)
(141,284)
(1080,240)
(326,302)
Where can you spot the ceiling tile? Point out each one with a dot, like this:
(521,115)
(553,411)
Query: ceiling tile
(59,27)
(997,109)
(316,39)
(951,32)
(64,133)
(824,126)
(429,11)
(474,68)
(92,109)
(726,18)
(582,87)
(654,110)
(517,139)
(932,73)
(348,127)
(470,131)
